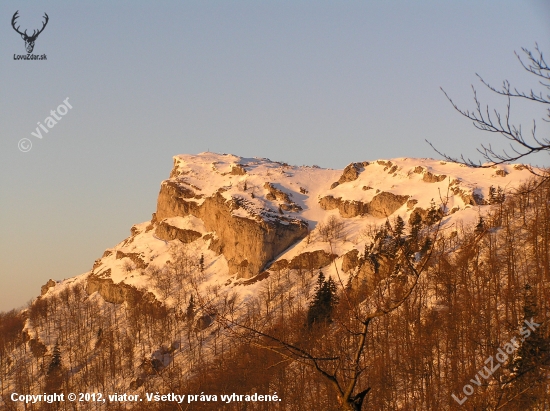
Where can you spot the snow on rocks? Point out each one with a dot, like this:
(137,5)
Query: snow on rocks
(248,215)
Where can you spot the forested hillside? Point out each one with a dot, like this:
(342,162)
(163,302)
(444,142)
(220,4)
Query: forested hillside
(429,312)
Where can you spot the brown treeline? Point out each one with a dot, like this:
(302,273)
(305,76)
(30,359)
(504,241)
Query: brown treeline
(444,348)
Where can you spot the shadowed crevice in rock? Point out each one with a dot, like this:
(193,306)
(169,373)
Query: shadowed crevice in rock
(167,232)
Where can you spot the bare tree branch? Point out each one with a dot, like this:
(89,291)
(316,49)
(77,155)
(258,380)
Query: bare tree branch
(496,122)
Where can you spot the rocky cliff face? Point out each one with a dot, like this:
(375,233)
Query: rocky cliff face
(247,242)
(247,217)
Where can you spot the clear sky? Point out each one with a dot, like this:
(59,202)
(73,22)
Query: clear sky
(305,82)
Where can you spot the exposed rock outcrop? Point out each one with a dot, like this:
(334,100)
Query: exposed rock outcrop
(251,210)
(347,208)
(351,173)
(276,194)
(385,204)
(238,170)
(174,200)
(44,289)
(254,240)
(279,195)
(350,260)
(350,209)
(382,205)
(411,203)
(167,232)
(470,197)
(433,178)
(280,264)
(136,258)
(312,260)
(111,292)
(330,203)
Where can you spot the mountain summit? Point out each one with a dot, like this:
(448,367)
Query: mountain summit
(282,284)
(249,215)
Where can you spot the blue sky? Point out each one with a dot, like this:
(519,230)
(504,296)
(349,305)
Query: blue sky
(305,82)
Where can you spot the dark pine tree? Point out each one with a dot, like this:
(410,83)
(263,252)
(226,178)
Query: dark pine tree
(433,215)
(54,376)
(55,364)
(480,227)
(201,263)
(324,301)
(399,227)
(496,195)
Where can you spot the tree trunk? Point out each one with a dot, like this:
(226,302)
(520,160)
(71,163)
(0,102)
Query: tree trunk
(355,403)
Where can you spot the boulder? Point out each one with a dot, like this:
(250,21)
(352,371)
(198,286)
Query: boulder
(350,173)
(385,204)
(433,178)
(350,209)
(347,208)
(329,203)
(311,260)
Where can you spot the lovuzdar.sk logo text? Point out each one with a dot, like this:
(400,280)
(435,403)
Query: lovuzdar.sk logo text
(29,39)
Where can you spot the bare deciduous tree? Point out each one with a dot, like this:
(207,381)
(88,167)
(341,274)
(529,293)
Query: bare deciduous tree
(494,121)
(332,229)
(336,352)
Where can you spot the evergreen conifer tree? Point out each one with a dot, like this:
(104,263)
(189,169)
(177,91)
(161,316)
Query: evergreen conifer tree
(480,227)
(433,215)
(201,263)
(500,196)
(54,374)
(55,364)
(399,227)
(323,302)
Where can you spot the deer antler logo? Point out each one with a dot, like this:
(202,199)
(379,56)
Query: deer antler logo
(29,40)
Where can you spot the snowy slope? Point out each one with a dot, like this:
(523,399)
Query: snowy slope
(295,194)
